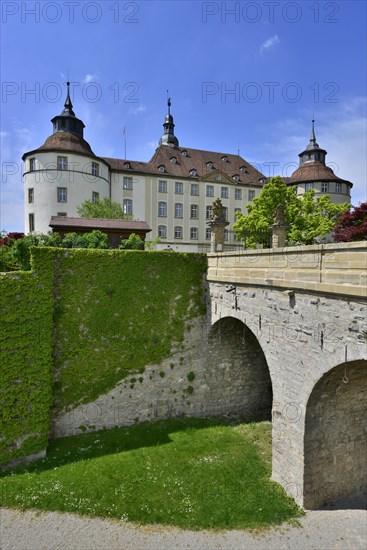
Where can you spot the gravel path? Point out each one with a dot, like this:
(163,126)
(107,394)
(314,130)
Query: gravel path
(321,529)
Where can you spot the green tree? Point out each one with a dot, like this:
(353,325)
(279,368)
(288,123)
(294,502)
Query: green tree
(134,242)
(104,208)
(93,239)
(21,248)
(306,217)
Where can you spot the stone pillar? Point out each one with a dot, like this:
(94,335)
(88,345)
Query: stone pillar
(279,233)
(217,235)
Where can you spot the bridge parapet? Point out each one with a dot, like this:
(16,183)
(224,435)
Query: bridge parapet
(338,268)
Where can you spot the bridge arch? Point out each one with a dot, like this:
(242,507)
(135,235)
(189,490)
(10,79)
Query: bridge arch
(335,435)
(235,356)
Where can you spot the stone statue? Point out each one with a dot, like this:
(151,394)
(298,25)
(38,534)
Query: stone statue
(218,213)
(279,215)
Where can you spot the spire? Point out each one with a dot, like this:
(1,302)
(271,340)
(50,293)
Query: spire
(68,106)
(313,137)
(313,152)
(67,121)
(169,137)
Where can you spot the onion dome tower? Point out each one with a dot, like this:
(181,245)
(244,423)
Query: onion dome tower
(169,137)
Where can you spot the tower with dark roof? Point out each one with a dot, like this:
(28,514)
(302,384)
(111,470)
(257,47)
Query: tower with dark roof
(169,137)
(67,121)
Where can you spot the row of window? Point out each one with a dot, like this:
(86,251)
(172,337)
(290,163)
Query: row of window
(194,232)
(325,187)
(194,190)
(194,210)
(63,164)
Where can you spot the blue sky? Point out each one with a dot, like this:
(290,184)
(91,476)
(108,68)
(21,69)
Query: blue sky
(242,75)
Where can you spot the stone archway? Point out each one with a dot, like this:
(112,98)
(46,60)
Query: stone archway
(235,360)
(335,450)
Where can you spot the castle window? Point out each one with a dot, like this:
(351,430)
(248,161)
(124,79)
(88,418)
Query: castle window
(95,196)
(225,159)
(309,186)
(178,210)
(95,169)
(194,211)
(32,164)
(31,222)
(195,189)
(127,206)
(208,233)
(209,165)
(226,234)
(193,232)
(236,177)
(62,194)
(235,211)
(162,209)
(225,210)
(128,183)
(161,168)
(210,190)
(224,192)
(30,195)
(338,188)
(184,153)
(208,211)
(324,187)
(178,232)
(62,214)
(178,188)
(162,231)
(127,165)
(193,173)
(162,186)
(173,160)
(243,169)
(238,194)
(62,163)
(251,194)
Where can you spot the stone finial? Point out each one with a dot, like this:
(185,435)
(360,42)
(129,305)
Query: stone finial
(218,213)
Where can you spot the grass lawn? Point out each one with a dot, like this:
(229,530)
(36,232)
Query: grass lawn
(191,473)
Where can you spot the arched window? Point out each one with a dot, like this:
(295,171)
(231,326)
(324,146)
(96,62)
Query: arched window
(162,209)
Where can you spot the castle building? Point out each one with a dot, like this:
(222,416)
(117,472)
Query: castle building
(172,192)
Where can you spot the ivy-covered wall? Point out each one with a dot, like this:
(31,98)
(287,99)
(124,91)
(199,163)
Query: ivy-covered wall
(80,322)
(115,312)
(26,308)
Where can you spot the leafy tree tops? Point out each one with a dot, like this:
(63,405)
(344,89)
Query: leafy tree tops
(352,226)
(104,208)
(306,217)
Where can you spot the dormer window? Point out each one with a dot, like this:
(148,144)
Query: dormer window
(236,177)
(127,165)
(225,158)
(184,153)
(193,173)
(209,165)
(173,160)
(243,169)
(161,168)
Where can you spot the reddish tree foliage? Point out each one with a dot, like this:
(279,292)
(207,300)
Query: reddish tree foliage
(352,225)
(9,239)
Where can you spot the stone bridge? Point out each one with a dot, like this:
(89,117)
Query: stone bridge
(301,312)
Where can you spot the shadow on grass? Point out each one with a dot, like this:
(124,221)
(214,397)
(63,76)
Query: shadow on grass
(66,450)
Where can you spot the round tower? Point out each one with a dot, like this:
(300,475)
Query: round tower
(62,173)
(313,173)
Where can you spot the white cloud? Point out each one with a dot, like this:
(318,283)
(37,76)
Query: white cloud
(269,43)
(141,109)
(90,78)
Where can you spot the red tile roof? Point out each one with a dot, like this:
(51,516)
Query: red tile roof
(313,171)
(65,141)
(98,223)
(195,159)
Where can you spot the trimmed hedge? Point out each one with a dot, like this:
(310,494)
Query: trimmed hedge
(26,306)
(81,321)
